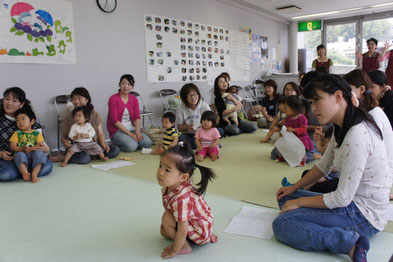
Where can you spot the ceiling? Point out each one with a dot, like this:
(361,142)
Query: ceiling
(309,7)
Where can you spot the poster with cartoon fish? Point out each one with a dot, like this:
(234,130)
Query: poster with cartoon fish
(38,31)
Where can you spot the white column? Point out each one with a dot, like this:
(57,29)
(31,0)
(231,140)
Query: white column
(293,56)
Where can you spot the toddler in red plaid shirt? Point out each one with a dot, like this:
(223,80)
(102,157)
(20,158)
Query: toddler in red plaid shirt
(187,215)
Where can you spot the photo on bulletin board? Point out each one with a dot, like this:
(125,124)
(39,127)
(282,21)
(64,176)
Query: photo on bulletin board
(265,47)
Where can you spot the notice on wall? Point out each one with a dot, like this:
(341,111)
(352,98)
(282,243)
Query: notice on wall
(37,31)
(240,56)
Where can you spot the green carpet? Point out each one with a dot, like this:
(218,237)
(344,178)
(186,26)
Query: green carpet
(244,170)
(81,214)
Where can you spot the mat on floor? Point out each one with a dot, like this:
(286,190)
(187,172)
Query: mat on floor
(244,170)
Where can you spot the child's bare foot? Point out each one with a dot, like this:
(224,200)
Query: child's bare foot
(168,251)
(213,238)
(63,164)
(214,157)
(26,176)
(35,179)
(265,140)
(390,197)
(104,158)
(199,158)
(57,158)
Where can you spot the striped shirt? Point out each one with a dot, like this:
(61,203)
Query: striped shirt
(169,136)
(186,205)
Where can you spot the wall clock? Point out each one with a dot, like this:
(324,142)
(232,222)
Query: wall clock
(107,6)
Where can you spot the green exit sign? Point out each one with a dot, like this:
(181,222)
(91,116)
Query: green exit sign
(309,26)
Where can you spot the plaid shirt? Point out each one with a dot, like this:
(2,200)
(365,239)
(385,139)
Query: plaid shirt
(186,205)
(7,128)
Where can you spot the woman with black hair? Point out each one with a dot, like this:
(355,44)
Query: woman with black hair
(221,87)
(340,221)
(382,92)
(81,97)
(14,99)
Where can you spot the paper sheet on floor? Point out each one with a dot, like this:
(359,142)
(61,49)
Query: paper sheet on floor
(111,165)
(390,213)
(254,222)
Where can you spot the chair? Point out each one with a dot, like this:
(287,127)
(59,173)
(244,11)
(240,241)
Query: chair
(165,94)
(248,97)
(142,111)
(60,101)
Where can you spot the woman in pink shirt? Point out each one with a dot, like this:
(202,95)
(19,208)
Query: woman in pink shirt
(388,55)
(124,120)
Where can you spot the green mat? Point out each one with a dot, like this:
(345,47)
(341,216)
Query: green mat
(244,170)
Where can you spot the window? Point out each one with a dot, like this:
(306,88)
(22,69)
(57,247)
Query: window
(341,47)
(307,43)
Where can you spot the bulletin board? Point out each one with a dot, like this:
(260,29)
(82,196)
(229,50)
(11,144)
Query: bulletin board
(182,51)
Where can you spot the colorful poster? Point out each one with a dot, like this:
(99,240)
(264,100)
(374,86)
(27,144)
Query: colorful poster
(182,51)
(256,53)
(37,31)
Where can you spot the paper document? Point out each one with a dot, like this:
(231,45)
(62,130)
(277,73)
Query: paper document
(111,165)
(253,222)
(390,213)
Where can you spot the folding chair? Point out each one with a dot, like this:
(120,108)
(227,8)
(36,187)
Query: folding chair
(247,97)
(60,101)
(165,94)
(142,111)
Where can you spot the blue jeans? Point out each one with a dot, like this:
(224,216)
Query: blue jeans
(336,230)
(9,172)
(188,138)
(128,144)
(84,158)
(244,127)
(31,159)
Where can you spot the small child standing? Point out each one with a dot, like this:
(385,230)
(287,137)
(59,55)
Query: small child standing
(82,133)
(230,105)
(277,123)
(27,144)
(171,136)
(296,123)
(187,215)
(207,137)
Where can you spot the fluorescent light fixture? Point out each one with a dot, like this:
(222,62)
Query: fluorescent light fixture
(329,13)
(379,5)
(341,11)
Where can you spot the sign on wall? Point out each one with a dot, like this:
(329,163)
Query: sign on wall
(182,51)
(36,31)
(310,26)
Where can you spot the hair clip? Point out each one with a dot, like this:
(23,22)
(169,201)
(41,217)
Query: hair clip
(355,100)
(181,144)
(368,91)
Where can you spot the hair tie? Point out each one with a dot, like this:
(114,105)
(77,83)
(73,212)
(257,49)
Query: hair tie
(368,91)
(181,144)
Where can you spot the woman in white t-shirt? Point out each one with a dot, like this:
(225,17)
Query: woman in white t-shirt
(340,221)
(189,112)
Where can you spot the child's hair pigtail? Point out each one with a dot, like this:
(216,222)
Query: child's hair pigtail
(207,175)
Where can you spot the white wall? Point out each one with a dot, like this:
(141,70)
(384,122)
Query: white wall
(109,45)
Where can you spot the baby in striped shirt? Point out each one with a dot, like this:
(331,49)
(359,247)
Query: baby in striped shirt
(187,216)
(170,135)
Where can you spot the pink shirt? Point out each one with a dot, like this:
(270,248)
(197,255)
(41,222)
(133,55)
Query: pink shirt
(116,110)
(207,137)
